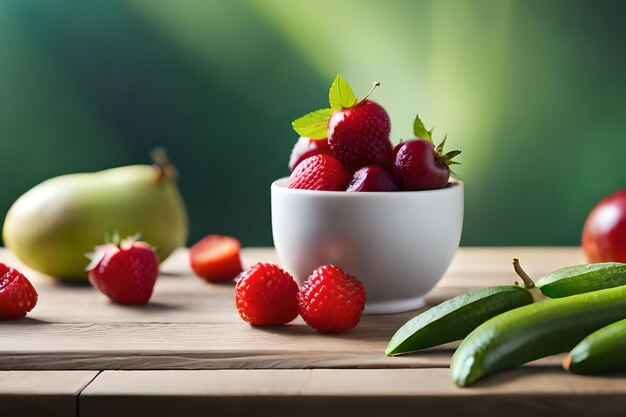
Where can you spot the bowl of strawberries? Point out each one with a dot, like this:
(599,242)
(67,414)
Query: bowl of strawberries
(390,216)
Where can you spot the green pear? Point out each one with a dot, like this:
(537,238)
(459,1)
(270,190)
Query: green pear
(52,226)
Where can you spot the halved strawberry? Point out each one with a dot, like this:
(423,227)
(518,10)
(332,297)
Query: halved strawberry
(372,178)
(216,258)
(17,294)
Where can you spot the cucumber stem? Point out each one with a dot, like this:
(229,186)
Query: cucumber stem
(528,282)
(163,165)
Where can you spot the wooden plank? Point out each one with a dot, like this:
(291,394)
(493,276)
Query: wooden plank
(199,346)
(190,324)
(173,302)
(181,297)
(43,393)
(399,392)
(207,346)
(35,344)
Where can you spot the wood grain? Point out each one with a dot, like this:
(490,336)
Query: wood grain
(181,297)
(190,324)
(208,346)
(398,392)
(42,393)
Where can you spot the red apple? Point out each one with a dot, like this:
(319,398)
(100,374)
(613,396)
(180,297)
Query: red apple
(604,234)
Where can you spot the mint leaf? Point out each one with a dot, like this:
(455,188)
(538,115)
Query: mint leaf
(313,125)
(341,95)
(420,131)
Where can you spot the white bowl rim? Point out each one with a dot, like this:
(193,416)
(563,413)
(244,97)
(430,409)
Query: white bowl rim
(282,182)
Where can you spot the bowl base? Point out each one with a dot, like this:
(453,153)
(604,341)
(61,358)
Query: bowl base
(393,306)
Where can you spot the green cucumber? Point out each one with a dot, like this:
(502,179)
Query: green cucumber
(579,279)
(534,331)
(456,318)
(601,351)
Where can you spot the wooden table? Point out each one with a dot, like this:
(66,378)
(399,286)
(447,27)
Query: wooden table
(188,353)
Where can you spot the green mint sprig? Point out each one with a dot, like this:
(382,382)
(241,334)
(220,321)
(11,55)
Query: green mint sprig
(314,124)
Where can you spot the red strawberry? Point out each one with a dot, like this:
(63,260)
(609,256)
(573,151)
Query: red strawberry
(125,272)
(305,148)
(319,172)
(266,294)
(419,166)
(359,135)
(216,258)
(372,178)
(331,300)
(357,130)
(17,295)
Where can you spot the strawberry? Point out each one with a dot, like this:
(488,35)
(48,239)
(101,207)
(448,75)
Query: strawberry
(17,294)
(319,172)
(305,148)
(359,135)
(331,300)
(125,272)
(357,130)
(216,258)
(266,294)
(419,165)
(372,178)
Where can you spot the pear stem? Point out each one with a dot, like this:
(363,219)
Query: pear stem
(162,163)
(528,282)
(374,85)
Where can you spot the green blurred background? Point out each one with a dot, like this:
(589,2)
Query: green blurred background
(533,92)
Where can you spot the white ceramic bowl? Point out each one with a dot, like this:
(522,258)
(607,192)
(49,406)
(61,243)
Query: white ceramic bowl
(398,244)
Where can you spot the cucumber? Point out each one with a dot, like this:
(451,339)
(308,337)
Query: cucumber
(601,351)
(579,279)
(534,331)
(456,318)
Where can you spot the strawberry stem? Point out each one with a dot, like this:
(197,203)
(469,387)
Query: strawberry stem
(374,85)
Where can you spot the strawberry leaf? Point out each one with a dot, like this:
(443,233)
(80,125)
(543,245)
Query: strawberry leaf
(313,125)
(441,145)
(447,158)
(451,154)
(341,95)
(95,257)
(420,131)
(114,239)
